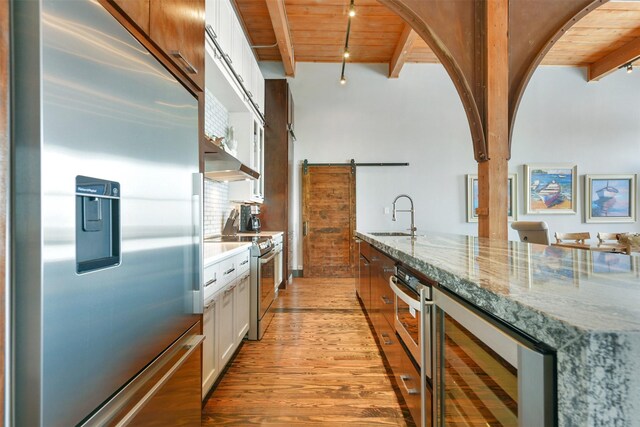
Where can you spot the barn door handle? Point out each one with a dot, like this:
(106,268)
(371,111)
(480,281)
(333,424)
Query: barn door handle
(305,228)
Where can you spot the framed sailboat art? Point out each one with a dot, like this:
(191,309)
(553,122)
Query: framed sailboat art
(610,198)
(551,188)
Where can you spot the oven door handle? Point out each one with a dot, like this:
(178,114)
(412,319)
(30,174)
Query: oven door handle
(269,258)
(411,302)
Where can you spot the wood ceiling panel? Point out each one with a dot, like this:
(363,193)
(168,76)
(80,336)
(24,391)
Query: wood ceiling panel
(421,52)
(601,32)
(318,29)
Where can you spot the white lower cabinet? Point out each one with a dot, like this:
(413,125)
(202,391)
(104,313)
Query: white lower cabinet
(226,335)
(225,319)
(241,309)
(210,365)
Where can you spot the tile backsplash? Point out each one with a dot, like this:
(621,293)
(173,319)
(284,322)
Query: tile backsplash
(216,207)
(216,194)
(216,116)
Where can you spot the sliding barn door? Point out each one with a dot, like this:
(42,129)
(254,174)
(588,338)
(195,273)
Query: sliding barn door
(329,220)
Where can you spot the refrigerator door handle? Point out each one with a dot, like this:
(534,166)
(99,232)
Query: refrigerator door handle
(195,341)
(197,200)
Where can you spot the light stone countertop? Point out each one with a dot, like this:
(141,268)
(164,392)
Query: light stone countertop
(217,251)
(584,304)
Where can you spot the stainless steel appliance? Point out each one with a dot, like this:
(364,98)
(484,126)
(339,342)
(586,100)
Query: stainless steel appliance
(485,372)
(255,223)
(249,220)
(263,295)
(409,313)
(278,261)
(106,238)
(412,323)
(222,166)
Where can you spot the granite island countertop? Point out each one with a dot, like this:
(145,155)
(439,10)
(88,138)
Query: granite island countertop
(584,304)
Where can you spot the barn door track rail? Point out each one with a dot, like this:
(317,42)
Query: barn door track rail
(352,163)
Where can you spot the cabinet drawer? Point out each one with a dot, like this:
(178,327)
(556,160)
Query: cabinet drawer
(408,378)
(228,270)
(391,347)
(243,262)
(211,276)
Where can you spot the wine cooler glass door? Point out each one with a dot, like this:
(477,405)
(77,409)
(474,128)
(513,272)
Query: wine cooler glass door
(483,375)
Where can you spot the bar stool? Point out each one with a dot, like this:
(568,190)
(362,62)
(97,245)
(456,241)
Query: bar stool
(532,231)
(579,238)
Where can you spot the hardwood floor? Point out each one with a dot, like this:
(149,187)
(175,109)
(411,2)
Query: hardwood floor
(317,364)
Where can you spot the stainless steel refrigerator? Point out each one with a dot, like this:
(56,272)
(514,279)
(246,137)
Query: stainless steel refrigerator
(107,225)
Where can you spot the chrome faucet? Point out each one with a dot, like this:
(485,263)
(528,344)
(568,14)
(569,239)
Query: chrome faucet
(413,225)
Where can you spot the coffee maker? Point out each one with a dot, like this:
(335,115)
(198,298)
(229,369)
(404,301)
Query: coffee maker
(249,221)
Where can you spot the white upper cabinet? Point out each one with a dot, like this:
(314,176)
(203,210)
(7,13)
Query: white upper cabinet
(250,134)
(247,66)
(223,25)
(237,49)
(259,87)
(238,45)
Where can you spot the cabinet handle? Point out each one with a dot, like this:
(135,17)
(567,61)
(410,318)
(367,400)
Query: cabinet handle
(305,227)
(229,271)
(212,303)
(389,270)
(211,282)
(226,55)
(244,262)
(386,300)
(385,339)
(190,68)
(250,94)
(240,79)
(404,378)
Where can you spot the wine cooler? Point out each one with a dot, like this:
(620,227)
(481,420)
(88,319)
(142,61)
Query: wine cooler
(485,373)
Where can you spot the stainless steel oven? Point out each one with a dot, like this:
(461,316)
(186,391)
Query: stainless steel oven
(263,294)
(486,373)
(412,323)
(408,314)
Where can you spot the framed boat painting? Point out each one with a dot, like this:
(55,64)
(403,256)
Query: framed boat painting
(472,198)
(610,198)
(551,188)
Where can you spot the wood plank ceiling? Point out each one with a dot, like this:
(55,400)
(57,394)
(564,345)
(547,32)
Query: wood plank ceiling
(318,29)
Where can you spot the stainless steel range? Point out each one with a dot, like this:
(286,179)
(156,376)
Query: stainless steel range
(263,276)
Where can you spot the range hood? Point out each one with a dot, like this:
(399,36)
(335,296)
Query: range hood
(222,166)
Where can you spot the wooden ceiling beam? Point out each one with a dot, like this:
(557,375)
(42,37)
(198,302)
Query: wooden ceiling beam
(278,16)
(616,59)
(402,51)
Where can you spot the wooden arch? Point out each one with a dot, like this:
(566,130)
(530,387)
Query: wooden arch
(490,49)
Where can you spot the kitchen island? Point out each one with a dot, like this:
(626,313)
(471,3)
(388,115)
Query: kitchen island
(585,305)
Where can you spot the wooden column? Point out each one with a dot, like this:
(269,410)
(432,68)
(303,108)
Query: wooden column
(493,173)
(490,49)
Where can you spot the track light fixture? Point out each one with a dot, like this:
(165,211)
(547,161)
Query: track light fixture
(346,54)
(629,67)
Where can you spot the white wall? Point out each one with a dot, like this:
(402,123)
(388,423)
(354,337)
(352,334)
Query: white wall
(419,119)
(595,125)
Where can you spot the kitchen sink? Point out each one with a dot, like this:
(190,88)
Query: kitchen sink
(391,234)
